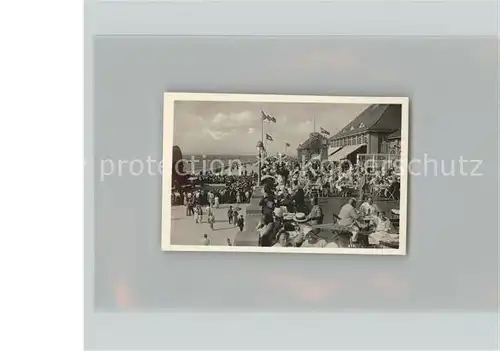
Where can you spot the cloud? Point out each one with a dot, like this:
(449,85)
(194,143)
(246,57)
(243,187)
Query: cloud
(232,120)
(304,126)
(215,134)
(251,130)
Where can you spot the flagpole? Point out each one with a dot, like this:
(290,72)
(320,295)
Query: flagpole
(262,130)
(261,150)
(314,123)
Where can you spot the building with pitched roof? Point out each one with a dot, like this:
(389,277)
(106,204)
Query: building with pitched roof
(315,145)
(394,142)
(368,133)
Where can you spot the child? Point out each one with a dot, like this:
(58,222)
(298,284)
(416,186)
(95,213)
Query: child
(230,214)
(241,223)
(205,241)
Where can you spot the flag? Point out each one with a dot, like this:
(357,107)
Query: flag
(287,144)
(268,137)
(266,117)
(324,131)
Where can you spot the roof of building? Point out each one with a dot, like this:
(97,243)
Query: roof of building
(369,119)
(313,137)
(395,135)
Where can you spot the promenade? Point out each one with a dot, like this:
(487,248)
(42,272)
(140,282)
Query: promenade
(185,231)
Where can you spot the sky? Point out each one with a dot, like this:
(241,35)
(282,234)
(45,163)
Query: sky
(234,128)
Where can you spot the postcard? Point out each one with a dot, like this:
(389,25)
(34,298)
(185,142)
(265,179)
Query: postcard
(285,173)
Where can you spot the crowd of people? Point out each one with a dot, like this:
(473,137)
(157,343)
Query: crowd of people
(211,189)
(333,178)
(363,226)
(290,203)
(295,189)
(314,177)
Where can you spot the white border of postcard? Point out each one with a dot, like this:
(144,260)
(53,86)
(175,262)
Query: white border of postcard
(168,129)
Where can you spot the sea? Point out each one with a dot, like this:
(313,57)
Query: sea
(196,163)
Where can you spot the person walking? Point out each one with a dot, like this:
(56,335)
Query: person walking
(199,212)
(190,206)
(241,223)
(230,214)
(235,218)
(211,219)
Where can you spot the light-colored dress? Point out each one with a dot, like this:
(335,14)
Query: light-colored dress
(381,232)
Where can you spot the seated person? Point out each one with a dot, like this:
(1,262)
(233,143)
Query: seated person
(348,218)
(368,208)
(283,240)
(301,227)
(278,216)
(266,230)
(383,229)
(313,240)
(268,203)
(316,214)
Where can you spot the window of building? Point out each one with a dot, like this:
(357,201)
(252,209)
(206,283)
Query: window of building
(365,139)
(359,141)
(361,125)
(352,128)
(349,141)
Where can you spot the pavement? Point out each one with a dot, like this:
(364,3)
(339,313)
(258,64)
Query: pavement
(184,230)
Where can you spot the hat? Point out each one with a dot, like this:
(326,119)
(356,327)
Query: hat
(300,217)
(278,212)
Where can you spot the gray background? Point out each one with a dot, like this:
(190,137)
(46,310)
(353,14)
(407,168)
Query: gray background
(451,270)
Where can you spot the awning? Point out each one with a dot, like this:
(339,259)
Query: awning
(332,150)
(344,152)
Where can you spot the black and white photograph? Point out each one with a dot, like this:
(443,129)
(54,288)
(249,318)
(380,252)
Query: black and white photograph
(285,173)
